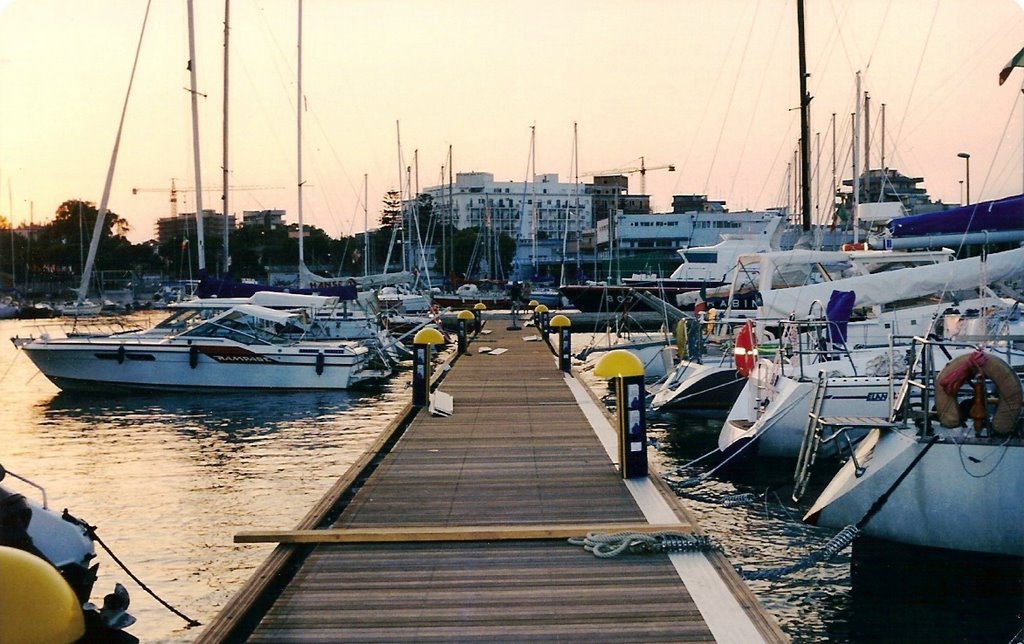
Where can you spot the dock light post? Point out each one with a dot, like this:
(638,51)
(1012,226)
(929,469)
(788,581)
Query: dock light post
(478,314)
(542,313)
(463,319)
(421,344)
(967,158)
(628,374)
(533,307)
(564,326)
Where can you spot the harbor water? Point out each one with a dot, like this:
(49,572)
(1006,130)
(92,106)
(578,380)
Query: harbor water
(169,479)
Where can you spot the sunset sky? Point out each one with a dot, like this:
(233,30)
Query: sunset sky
(710,86)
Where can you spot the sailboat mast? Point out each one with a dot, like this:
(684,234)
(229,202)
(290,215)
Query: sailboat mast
(101,212)
(194,92)
(298,122)
(805,124)
(856,163)
(366,225)
(224,152)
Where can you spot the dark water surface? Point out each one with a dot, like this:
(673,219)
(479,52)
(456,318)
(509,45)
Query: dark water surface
(170,479)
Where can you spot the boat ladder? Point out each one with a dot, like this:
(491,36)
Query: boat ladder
(822,430)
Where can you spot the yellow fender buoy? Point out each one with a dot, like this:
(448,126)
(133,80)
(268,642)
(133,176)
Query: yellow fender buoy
(682,348)
(36,604)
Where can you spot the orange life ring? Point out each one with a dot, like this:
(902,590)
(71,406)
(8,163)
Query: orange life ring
(745,351)
(959,370)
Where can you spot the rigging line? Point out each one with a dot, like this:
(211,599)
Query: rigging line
(878,35)
(999,146)
(917,74)
(757,99)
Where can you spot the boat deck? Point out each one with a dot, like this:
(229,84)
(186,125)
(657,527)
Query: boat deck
(459,532)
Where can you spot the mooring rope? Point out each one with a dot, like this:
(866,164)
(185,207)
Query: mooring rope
(92,534)
(834,546)
(605,545)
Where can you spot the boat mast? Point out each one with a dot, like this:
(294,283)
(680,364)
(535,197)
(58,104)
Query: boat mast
(194,92)
(805,124)
(101,212)
(856,163)
(303,282)
(224,153)
(366,225)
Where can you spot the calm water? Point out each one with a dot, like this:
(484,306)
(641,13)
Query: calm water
(169,480)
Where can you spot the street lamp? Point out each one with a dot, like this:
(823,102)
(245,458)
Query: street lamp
(967,157)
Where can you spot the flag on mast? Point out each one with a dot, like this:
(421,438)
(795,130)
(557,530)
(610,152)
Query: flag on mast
(1016,61)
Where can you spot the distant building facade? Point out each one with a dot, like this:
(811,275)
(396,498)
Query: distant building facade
(268,219)
(183,226)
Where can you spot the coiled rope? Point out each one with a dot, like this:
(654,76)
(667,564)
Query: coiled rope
(605,545)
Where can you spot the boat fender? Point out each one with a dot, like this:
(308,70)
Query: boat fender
(120,354)
(962,368)
(682,346)
(745,352)
(38,605)
(193,356)
(320,363)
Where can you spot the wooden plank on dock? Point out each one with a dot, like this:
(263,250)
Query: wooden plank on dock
(462,533)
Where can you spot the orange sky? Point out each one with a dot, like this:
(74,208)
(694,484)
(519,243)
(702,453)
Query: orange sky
(709,86)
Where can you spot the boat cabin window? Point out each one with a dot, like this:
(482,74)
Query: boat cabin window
(242,329)
(700,257)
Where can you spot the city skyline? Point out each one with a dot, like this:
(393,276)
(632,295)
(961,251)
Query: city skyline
(711,88)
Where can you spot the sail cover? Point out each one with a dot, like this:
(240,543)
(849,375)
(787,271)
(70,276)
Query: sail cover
(893,286)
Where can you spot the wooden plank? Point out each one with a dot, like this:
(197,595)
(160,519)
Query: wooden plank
(461,533)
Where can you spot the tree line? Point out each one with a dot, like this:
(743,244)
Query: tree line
(50,258)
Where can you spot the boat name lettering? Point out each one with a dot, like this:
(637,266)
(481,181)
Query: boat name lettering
(248,359)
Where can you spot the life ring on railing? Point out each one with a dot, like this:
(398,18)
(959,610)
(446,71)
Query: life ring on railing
(961,369)
(745,352)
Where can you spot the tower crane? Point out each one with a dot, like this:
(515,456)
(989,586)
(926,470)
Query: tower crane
(642,169)
(175,190)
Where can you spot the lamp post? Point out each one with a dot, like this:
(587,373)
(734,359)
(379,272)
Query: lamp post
(967,158)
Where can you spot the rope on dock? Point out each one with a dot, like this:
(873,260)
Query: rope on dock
(604,545)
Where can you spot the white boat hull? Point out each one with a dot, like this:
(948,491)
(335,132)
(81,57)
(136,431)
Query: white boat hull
(961,495)
(699,386)
(103,365)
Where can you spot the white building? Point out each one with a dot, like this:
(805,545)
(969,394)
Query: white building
(542,209)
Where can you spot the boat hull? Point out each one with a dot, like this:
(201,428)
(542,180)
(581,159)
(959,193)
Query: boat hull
(963,494)
(126,367)
(700,386)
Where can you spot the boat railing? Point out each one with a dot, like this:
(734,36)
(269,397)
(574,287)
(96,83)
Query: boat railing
(922,376)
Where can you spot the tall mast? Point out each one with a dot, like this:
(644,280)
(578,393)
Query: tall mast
(401,200)
(805,124)
(366,225)
(451,207)
(224,155)
(101,212)
(856,163)
(303,283)
(867,143)
(194,92)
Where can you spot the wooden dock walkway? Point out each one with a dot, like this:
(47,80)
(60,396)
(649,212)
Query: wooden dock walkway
(458,534)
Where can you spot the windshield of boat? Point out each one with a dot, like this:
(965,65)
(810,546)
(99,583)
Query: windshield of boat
(245,329)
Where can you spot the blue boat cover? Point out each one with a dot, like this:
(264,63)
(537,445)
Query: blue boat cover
(1001,214)
(218,287)
(838,311)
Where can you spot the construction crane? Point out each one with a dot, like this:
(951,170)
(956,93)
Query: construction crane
(642,169)
(175,190)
